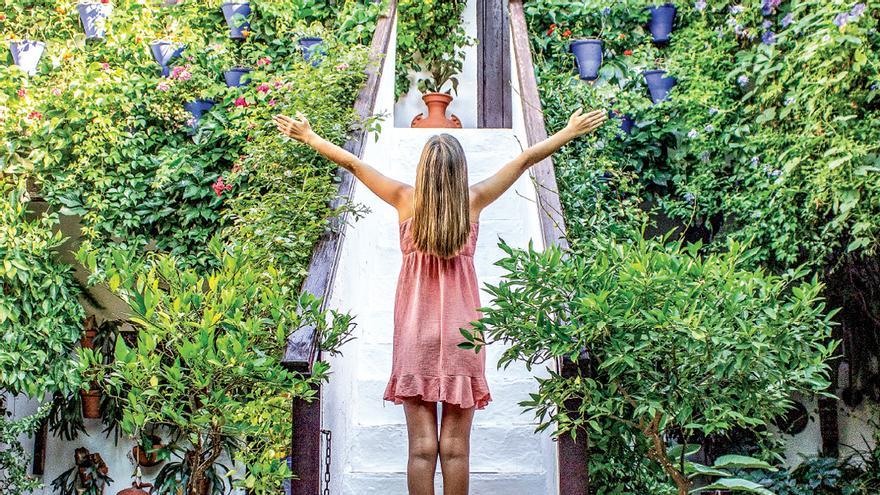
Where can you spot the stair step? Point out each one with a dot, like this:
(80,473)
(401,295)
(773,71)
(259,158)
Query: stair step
(497,449)
(360,483)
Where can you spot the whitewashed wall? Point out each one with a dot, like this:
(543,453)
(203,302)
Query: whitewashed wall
(465,103)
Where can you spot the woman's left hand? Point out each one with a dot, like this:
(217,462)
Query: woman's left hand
(298,128)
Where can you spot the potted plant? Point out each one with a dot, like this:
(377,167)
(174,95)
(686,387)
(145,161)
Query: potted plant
(659,84)
(237,77)
(312,48)
(164,52)
(662,20)
(197,108)
(236,14)
(588,57)
(88,476)
(441,71)
(91,398)
(26,54)
(93,16)
(146,452)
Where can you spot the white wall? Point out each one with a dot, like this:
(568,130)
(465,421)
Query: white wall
(465,103)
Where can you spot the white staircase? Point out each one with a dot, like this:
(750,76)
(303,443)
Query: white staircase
(369,442)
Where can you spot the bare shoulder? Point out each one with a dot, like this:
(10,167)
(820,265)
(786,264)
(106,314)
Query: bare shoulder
(405,207)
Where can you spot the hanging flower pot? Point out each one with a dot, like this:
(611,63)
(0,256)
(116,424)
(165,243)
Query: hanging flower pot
(658,84)
(662,19)
(197,108)
(312,48)
(164,52)
(147,456)
(93,17)
(626,121)
(437,104)
(91,403)
(236,14)
(137,488)
(26,54)
(237,77)
(587,57)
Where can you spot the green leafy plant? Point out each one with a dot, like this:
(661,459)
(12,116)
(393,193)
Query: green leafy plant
(88,476)
(207,362)
(430,38)
(676,342)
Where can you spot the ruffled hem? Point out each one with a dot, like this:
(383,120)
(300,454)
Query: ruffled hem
(461,390)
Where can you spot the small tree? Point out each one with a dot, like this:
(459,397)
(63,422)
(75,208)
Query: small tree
(677,342)
(207,365)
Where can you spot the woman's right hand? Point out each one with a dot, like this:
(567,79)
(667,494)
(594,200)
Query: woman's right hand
(298,128)
(580,123)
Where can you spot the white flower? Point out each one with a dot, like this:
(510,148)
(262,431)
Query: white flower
(693,134)
(709,128)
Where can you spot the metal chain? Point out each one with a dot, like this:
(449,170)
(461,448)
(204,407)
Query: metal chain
(327,451)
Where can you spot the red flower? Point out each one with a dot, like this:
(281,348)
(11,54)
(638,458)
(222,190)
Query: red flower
(22,93)
(263,88)
(219,187)
(35,115)
(241,102)
(2,17)
(621,36)
(264,61)
(628,53)
(566,33)
(105,1)
(105,66)
(552,28)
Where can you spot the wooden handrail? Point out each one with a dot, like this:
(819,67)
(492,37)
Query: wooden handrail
(573,469)
(302,344)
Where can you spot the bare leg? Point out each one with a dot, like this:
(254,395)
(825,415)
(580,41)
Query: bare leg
(421,427)
(455,448)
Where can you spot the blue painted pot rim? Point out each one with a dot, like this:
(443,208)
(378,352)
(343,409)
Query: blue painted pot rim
(653,71)
(239,69)
(590,41)
(312,39)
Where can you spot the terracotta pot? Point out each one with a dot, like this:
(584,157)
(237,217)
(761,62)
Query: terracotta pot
(136,489)
(91,404)
(90,329)
(436,103)
(144,458)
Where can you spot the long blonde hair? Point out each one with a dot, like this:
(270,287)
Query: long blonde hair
(441,220)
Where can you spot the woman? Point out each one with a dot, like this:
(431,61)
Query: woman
(437,290)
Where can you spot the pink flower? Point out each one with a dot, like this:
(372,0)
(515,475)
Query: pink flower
(185,76)
(263,88)
(272,102)
(56,91)
(241,102)
(264,61)
(163,86)
(181,72)
(35,115)
(219,187)
(22,93)
(105,66)
(341,67)
(278,84)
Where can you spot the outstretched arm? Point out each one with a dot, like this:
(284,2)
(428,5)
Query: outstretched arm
(389,190)
(485,192)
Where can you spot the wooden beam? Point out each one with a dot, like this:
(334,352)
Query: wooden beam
(573,453)
(301,348)
(305,456)
(543,174)
(494,106)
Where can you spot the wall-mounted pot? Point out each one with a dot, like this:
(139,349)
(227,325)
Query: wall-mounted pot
(587,57)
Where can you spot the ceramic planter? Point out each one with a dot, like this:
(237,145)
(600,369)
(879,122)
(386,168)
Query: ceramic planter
(93,17)
(144,458)
(137,488)
(237,77)
(313,49)
(587,57)
(662,19)
(436,103)
(26,54)
(164,52)
(658,84)
(91,403)
(197,108)
(236,14)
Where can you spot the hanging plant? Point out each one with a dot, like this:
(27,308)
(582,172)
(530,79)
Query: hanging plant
(587,57)
(164,52)
(237,14)
(88,476)
(659,84)
(26,54)
(197,108)
(662,20)
(313,49)
(93,16)
(237,77)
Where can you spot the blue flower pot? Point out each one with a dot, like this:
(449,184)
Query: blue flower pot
(26,54)
(93,17)
(197,108)
(236,14)
(237,77)
(658,84)
(164,52)
(313,49)
(588,57)
(662,19)
(626,123)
